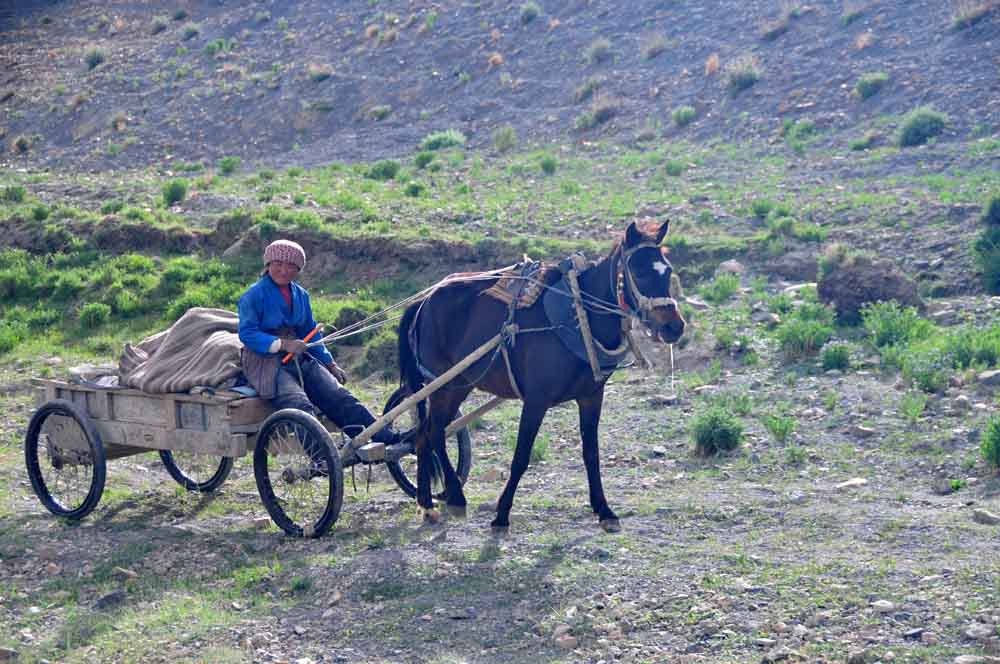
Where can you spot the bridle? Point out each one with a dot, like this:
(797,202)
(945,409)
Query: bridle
(625,284)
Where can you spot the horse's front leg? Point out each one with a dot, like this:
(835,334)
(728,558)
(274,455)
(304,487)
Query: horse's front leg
(590,419)
(531,420)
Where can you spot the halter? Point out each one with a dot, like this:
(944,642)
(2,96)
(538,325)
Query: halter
(622,278)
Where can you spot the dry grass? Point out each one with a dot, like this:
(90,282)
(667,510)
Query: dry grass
(389,36)
(653,45)
(319,72)
(119,121)
(554,23)
(864,40)
(371,32)
(495,60)
(712,65)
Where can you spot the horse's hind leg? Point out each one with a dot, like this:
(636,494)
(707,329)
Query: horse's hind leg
(590,418)
(446,404)
(531,420)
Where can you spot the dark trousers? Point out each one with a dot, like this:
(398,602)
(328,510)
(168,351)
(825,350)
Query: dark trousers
(321,393)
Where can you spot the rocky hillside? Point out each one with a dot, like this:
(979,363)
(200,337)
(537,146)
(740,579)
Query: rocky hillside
(114,84)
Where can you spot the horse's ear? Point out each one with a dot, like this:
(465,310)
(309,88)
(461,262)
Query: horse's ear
(633,235)
(662,233)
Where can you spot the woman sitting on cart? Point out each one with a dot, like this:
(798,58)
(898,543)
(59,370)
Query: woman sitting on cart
(275,315)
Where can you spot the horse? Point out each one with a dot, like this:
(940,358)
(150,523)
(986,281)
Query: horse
(631,282)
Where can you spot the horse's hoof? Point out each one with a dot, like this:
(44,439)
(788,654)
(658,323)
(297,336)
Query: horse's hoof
(611,525)
(499,531)
(457,511)
(431,516)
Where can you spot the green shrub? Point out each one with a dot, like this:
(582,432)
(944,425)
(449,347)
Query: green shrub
(548,164)
(889,324)
(869,84)
(351,314)
(94,315)
(387,169)
(190,31)
(112,207)
(380,112)
(443,139)
(12,333)
(970,12)
(94,57)
(721,288)
(779,426)
(683,115)
(219,45)
(14,194)
(228,165)
(800,337)
(21,144)
(675,167)
(414,188)
(991,211)
(598,51)
(587,89)
(381,356)
(505,139)
(836,356)
(926,368)
(761,207)
(986,249)
(912,404)
(39,212)
(423,159)
(715,431)
(866,142)
(742,73)
(174,191)
(529,12)
(990,445)
(920,125)
(180,14)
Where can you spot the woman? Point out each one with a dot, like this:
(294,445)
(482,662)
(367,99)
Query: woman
(275,314)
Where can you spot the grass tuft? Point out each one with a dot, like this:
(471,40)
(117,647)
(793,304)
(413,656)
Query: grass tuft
(742,73)
(715,431)
(921,125)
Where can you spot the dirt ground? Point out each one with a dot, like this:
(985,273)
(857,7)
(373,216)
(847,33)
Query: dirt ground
(764,555)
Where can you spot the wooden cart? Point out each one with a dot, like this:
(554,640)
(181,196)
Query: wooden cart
(298,465)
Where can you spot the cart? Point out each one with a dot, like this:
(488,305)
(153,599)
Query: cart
(298,465)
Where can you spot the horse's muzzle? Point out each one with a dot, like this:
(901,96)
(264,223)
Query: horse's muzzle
(667,324)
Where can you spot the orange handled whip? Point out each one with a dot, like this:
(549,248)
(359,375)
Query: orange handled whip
(309,336)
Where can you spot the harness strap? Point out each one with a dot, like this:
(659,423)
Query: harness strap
(581,318)
(509,333)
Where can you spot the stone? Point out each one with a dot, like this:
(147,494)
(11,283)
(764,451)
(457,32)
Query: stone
(566,642)
(861,431)
(696,304)
(851,483)
(913,633)
(658,451)
(492,475)
(123,573)
(261,522)
(664,399)
(853,280)
(782,654)
(961,403)
(979,631)
(943,487)
(8,654)
(929,638)
(299,629)
(110,600)
(561,630)
(985,517)
(990,378)
(796,288)
(859,656)
(730,267)
(883,606)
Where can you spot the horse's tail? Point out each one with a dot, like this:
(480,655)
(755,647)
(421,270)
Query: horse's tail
(410,375)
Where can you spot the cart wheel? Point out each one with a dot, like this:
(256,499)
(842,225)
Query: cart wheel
(299,474)
(197,472)
(65,459)
(460,448)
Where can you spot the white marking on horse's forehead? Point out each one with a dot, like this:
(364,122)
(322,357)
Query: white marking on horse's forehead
(660,267)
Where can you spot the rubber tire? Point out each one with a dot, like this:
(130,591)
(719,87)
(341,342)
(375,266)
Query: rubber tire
(99,474)
(327,452)
(209,485)
(462,437)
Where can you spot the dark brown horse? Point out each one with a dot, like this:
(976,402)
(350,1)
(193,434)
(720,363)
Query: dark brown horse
(633,280)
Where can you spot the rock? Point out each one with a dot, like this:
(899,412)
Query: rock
(860,656)
(123,574)
(765,643)
(110,600)
(566,642)
(561,630)
(696,304)
(492,475)
(261,522)
(329,613)
(664,399)
(883,606)
(962,403)
(969,659)
(861,431)
(299,629)
(943,487)
(929,638)
(985,517)
(53,361)
(782,654)
(730,267)
(990,378)
(800,631)
(851,483)
(979,631)
(8,654)
(658,451)
(913,633)
(852,280)
(794,289)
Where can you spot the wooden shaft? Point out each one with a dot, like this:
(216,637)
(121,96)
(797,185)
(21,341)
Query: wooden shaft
(474,415)
(423,392)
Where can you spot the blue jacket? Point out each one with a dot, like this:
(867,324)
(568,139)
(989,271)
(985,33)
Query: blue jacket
(263,311)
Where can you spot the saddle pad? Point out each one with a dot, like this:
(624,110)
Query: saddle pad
(522,283)
(559,309)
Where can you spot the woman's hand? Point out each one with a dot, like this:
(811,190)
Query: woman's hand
(337,372)
(293,346)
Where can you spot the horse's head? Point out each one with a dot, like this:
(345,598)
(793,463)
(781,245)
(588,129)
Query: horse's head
(645,283)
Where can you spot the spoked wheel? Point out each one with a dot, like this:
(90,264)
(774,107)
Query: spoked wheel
(65,459)
(196,472)
(299,474)
(404,471)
